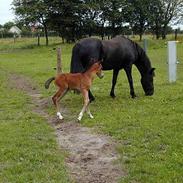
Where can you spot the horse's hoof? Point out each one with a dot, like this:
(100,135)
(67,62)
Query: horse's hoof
(134,96)
(92,99)
(112,95)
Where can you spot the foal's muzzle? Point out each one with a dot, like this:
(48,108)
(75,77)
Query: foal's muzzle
(100,75)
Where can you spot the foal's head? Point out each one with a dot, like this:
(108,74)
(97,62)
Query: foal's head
(97,69)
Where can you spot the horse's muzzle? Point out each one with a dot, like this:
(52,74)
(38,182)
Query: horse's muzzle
(150,93)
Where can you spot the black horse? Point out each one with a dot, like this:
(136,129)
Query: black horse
(117,53)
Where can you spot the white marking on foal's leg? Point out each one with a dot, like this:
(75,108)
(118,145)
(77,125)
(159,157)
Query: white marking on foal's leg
(60,115)
(80,116)
(89,113)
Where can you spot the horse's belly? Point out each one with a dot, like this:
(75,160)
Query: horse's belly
(112,63)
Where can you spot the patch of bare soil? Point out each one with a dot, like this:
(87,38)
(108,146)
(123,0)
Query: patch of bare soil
(92,157)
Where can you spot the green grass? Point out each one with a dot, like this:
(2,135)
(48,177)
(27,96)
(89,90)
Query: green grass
(148,129)
(28,148)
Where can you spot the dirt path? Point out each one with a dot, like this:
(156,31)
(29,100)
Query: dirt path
(92,157)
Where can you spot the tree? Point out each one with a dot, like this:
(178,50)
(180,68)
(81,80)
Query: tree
(32,12)
(90,11)
(155,13)
(170,9)
(112,14)
(137,14)
(66,18)
(8,25)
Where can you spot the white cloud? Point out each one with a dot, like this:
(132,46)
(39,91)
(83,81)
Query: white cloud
(6,14)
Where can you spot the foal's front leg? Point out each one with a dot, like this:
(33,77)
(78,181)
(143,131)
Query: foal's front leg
(88,112)
(86,103)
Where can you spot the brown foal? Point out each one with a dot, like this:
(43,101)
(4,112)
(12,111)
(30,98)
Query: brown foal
(75,81)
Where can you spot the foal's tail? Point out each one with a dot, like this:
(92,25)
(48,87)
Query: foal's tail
(47,83)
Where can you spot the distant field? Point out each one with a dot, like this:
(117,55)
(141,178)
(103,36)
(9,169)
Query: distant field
(148,129)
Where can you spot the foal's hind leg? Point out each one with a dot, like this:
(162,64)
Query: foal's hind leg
(56,98)
(88,112)
(86,103)
(114,79)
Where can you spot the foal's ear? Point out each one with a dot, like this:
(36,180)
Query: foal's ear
(91,61)
(100,61)
(152,72)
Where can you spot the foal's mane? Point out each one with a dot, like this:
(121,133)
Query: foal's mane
(90,64)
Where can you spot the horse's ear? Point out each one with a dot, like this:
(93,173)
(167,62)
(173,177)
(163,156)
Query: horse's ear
(152,72)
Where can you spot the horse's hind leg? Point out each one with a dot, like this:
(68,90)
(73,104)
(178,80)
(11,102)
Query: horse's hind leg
(91,97)
(114,79)
(130,81)
(56,98)
(86,103)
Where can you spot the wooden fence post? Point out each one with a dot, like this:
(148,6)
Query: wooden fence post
(59,65)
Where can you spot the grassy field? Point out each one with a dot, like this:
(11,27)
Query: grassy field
(28,147)
(148,129)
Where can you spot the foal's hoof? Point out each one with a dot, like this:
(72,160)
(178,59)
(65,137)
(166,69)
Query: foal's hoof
(91,116)
(60,116)
(78,120)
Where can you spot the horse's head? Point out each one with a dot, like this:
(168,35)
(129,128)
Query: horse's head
(147,82)
(97,67)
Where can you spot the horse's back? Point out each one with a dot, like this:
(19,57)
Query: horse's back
(119,52)
(90,48)
(83,51)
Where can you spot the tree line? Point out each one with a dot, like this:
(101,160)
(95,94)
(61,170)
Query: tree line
(74,19)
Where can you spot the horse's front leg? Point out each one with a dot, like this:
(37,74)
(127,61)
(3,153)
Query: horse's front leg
(128,71)
(114,80)
(91,97)
(86,103)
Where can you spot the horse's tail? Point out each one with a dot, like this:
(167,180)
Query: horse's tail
(47,83)
(76,65)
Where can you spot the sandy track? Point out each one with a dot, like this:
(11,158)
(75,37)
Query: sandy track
(92,157)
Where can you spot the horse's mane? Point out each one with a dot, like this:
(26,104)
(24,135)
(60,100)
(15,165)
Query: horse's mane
(142,57)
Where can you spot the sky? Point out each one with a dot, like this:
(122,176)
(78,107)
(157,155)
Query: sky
(6,14)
